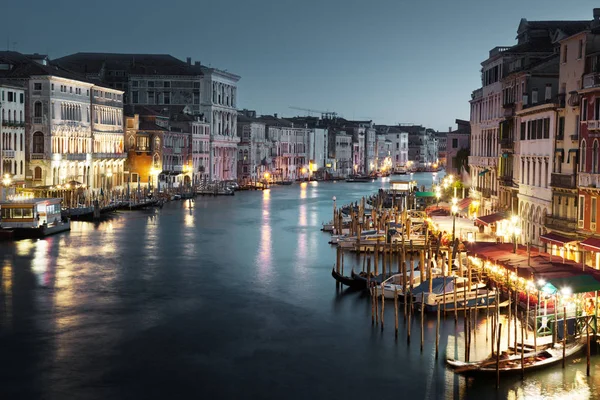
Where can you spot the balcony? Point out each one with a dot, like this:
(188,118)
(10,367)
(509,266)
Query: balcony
(37,156)
(8,154)
(38,120)
(591,80)
(509,112)
(505,180)
(561,224)
(593,125)
(507,144)
(563,181)
(575,138)
(97,156)
(587,180)
(74,157)
(573,99)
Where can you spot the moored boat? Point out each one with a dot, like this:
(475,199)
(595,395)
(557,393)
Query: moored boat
(394,284)
(512,364)
(350,281)
(443,292)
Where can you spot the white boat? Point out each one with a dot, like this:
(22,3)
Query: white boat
(394,283)
(350,243)
(443,290)
(335,239)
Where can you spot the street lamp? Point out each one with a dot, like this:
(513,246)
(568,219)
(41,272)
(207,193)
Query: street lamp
(516,230)
(438,194)
(454,210)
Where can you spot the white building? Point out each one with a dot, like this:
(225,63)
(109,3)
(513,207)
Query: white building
(219,99)
(12,132)
(342,154)
(399,147)
(254,156)
(317,148)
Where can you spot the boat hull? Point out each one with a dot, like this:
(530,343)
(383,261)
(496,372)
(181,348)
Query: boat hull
(351,282)
(481,301)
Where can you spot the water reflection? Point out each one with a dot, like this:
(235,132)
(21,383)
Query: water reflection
(40,263)
(265,250)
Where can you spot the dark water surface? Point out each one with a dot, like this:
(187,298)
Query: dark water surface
(226,297)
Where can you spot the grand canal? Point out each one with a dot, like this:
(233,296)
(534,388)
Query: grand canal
(223,298)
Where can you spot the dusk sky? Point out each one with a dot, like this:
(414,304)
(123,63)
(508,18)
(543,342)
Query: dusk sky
(389,61)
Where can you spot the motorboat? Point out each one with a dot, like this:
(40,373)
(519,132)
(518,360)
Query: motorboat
(443,291)
(393,284)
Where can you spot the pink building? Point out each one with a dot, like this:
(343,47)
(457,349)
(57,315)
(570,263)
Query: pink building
(455,141)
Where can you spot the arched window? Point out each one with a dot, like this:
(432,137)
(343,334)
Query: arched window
(156,161)
(583,156)
(21,141)
(38,142)
(595,157)
(21,116)
(21,167)
(15,116)
(37,173)
(156,143)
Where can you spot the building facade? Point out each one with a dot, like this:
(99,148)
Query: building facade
(457,141)
(12,132)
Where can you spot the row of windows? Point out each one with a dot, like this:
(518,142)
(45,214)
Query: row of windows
(11,167)
(596,109)
(12,117)
(593,209)
(11,97)
(535,129)
(9,141)
(163,84)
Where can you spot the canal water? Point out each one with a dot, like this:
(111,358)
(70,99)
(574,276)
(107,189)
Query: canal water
(228,297)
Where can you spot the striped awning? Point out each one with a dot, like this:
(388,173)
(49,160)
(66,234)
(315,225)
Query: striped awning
(590,244)
(464,203)
(555,238)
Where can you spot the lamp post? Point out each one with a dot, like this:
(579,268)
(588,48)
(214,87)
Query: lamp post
(516,230)
(454,211)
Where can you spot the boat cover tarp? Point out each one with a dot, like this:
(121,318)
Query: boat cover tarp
(424,194)
(437,286)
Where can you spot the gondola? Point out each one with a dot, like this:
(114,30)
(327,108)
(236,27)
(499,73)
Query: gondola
(512,364)
(364,278)
(356,284)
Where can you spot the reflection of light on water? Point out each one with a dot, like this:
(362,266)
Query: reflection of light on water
(39,264)
(301,249)
(7,292)
(24,247)
(554,388)
(265,251)
(303,186)
(189,220)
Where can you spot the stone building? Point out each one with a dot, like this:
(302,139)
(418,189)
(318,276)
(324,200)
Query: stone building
(12,131)
(456,141)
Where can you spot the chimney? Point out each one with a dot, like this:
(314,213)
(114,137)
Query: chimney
(197,63)
(189,60)
(449,129)
(275,115)
(596,21)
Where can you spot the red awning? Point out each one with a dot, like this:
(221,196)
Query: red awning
(555,238)
(490,219)
(464,203)
(591,244)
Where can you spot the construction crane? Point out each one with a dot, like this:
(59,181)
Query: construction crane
(324,114)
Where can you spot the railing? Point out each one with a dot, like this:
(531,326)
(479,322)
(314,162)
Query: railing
(13,123)
(37,120)
(573,99)
(505,180)
(37,156)
(74,156)
(507,144)
(593,125)
(563,181)
(508,103)
(8,153)
(562,224)
(591,80)
(110,155)
(589,180)
(574,137)
(142,148)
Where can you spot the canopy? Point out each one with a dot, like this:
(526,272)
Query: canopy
(591,244)
(464,203)
(437,286)
(555,238)
(424,194)
(490,219)
(574,284)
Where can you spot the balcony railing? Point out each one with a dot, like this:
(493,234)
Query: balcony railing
(37,156)
(574,137)
(505,180)
(38,120)
(591,80)
(593,125)
(8,154)
(74,156)
(110,155)
(507,144)
(573,99)
(589,180)
(563,181)
(561,224)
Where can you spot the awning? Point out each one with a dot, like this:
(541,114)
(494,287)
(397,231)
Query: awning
(490,219)
(572,284)
(485,171)
(464,203)
(555,238)
(561,151)
(424,194)
(591,244)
